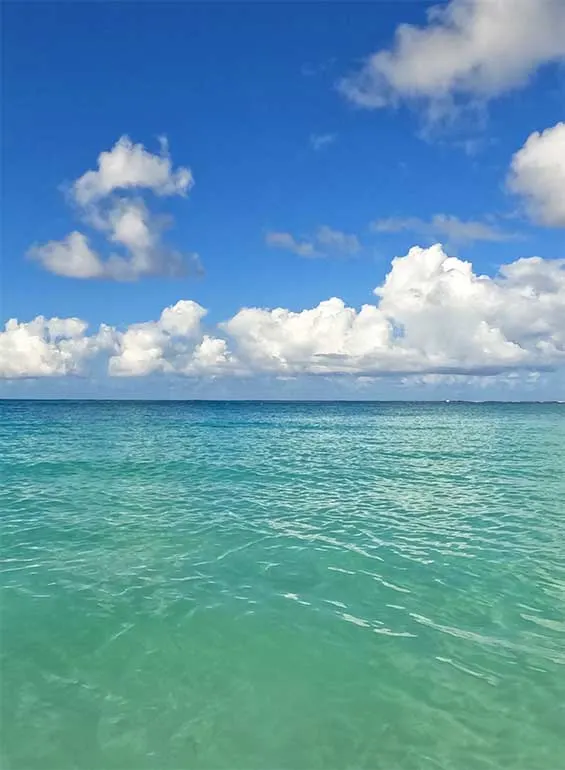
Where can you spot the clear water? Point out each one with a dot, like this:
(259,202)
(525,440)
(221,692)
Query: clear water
(290,586)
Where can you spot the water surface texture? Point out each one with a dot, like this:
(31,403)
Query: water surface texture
(261,586)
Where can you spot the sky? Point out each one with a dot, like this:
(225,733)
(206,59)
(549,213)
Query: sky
(283,200)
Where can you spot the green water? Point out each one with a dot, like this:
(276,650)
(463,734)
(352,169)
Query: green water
(294,586)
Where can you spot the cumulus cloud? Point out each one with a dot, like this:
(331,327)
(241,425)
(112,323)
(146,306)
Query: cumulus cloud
(47,347)
(71,256)
(172,344)
(537,173)
(125,222)
(324,339)
(325,242)
(443,226)
(433,315)
(471,50)
(127,166)
(321,141)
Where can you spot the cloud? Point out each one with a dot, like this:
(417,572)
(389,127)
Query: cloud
(325,242)
(47,347)
(443,226)
(288,242)
(125,222)
(337,241)
(174,344)
(128,166)
(469,50)
(537,173)
(432,316)
(71,256)
(320,141)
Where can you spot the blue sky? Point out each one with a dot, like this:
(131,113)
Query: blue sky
(243,93)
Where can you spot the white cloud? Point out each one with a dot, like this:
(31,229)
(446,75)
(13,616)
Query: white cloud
(469,49)
(211,356)
(325,242)
(72,256)
(125,222)
(433,316)
(442,226)
(320,141)
(323,339)
(48,347)
(174,344)
(537,173)
(128,166)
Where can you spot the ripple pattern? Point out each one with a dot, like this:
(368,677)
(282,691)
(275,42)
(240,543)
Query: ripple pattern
(282,585)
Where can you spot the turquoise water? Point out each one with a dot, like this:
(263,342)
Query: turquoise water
(293,586)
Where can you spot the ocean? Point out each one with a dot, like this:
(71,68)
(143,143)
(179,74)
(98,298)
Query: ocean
(282,586)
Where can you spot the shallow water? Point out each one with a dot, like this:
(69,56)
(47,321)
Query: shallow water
(266,585)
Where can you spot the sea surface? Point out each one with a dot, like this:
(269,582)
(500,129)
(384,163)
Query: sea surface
(282,586)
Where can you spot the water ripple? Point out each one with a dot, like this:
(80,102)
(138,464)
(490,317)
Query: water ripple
(283,585)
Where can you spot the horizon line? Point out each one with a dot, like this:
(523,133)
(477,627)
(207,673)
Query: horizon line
(284,400)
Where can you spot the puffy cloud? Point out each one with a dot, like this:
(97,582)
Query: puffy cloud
(433,316)
(128,165)
(141,351)
(125,222)
(470,49)
(320,141)
(324,339)
(325,242)
(72,257)
(211,356)
(47,347)
(441,226)
(175,343)
(537,173)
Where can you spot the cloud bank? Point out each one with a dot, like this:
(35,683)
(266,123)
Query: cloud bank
(432,316)
(469,51)
(446,226)
(124,221)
